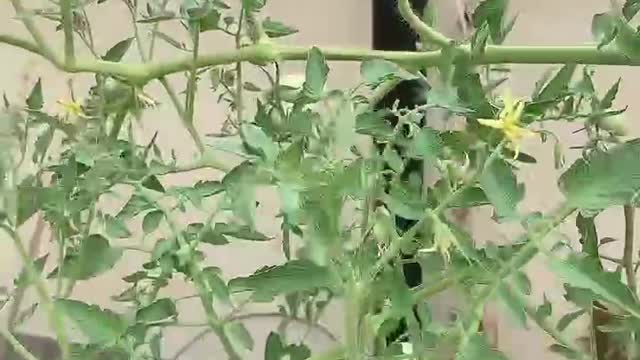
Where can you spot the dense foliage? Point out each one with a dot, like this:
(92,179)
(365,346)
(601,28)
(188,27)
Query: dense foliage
(338,197)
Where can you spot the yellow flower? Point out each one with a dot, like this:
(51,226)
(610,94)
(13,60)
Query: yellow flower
(72,108)
(509,122)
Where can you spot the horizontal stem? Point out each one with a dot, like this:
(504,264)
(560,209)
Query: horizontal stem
(266,52)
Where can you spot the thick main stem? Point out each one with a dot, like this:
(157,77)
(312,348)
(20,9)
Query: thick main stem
(67,26)
(627,259)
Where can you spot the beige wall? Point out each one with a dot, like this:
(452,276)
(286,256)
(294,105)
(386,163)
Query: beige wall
(328,22)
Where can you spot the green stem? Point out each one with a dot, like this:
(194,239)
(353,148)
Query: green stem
(40,43)
(627,259)
(267,52)
(67,26)
(118,121)
(16,345)
(55,318)
(356,347)
(427,33)
(239,85)
(192,84)
(517,261)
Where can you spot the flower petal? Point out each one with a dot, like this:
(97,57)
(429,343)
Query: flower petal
(496,124)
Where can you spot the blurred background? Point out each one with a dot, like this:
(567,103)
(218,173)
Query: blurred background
(344,23)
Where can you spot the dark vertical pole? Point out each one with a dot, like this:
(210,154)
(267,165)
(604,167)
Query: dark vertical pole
(390,32)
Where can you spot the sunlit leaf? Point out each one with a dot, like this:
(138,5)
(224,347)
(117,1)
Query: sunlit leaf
(604,29)
(478,348)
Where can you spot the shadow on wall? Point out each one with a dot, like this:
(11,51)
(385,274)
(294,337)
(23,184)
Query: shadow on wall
(46,348)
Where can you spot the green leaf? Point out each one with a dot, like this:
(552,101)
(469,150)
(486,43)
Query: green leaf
(473,196)
(477,348)
(630,8)
(446,97)
(373,123)
(544,310)
(240,191)
(276,29)
(607,100)
(376,71)
(604,29)
(257,140)
(134,206)
(216,285)
(501,187)
(102,327)
(479,40)
(151,221)
(426,144)
(153,183)
(239,232)
(606,178)
(588,235)
(95,257)
(293,276)
(35,100)
(492,13)
(23,278)
(585,272)
(558,85)
(567,319)
(522,283)
(253,5)
(513,303)
(160,311)
(393,159)
(28,199)
(238,336)
(627,40)
(274,348)
(315,74)
(116,228)
(210,21)
(117,52)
